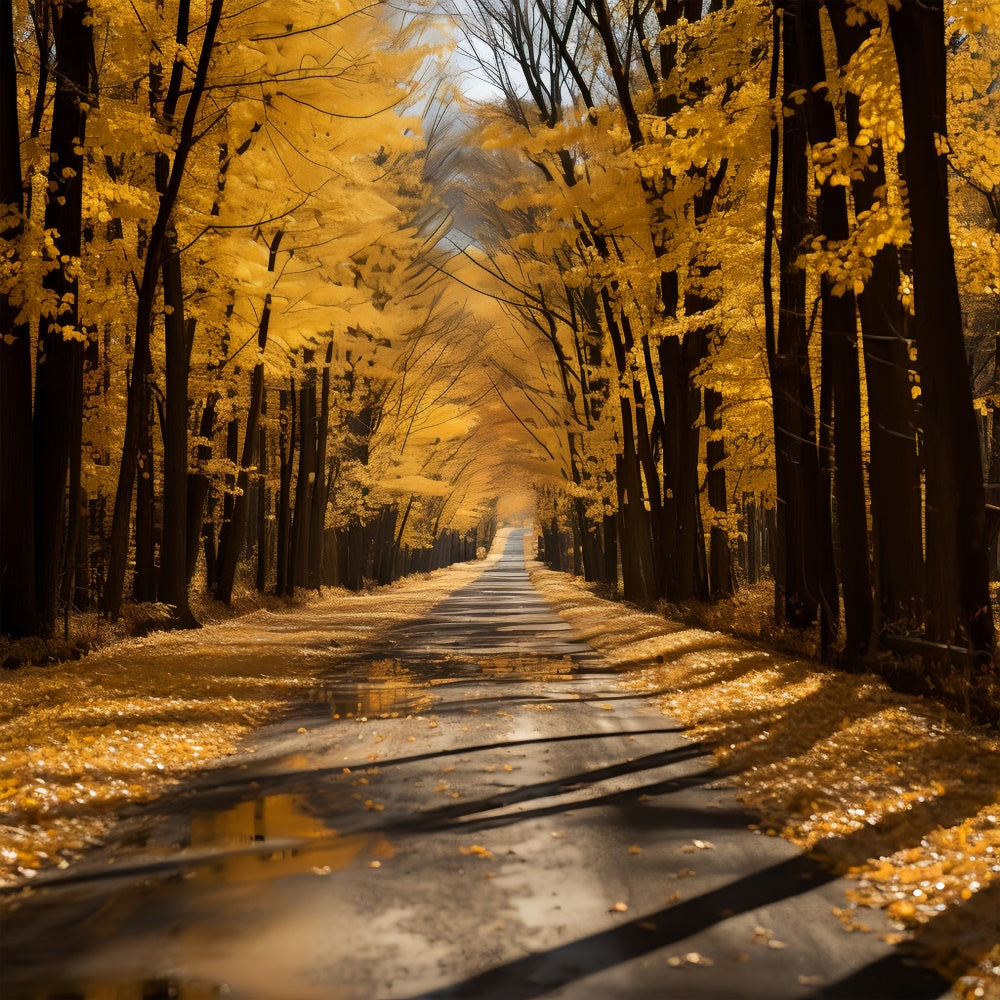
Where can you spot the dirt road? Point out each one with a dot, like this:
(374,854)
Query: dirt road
(473,808)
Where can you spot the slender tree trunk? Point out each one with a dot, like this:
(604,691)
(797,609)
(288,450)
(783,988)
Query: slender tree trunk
(894,470)
(263,524)
(179,337)
(136,404)
(320,493)
(144,580)
(840,361)
(720,568)
(955,511)
(796,457)
(18,599)
(306,478)
(284,584)
(198,486)
(235,537)
(59,371)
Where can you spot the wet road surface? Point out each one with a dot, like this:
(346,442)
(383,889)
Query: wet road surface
(473,809)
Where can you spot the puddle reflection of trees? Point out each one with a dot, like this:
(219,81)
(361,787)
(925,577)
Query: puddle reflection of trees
(526,667)
(300,841)
(388,690)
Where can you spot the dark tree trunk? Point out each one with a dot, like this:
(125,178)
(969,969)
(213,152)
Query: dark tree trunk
(179,337)
(306,478)
(284,584)
(720,568)
(18,599)
(144,581)
(840,361)
(894,472)
(136,404)
(955,507)
(229,497)
(234,533)
(59,371)
(264,505)
(235,537)
(609,536)
(198,485)
(796,457)
(320,492)
(685,546)
(77,504)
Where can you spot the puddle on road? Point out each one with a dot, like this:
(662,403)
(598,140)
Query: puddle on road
(393,688)
(130,989)
(529,668)
(275,836)
(219,895)
(388,690)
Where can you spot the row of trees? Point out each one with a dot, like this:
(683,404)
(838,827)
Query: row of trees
(225,347)
(733,238)
(739,258)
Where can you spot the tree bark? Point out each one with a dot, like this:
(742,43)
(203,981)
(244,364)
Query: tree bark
(320,497)
(284,583)
(144,579)
(179,337)
(894,471)
(18,599)
(305,479)
(136,404)
(720,565)
(796,457)
(59,372)
(958,602)
(840,361)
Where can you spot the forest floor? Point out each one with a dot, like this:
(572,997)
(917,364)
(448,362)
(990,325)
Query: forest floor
(897,792)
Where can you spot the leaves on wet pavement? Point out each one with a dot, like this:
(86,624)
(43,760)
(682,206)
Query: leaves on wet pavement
(689,958)
(476,851)
(883,784)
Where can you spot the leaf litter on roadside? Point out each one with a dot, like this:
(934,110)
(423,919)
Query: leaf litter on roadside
(895,791)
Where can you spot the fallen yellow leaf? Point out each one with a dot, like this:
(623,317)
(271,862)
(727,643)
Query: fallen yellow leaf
(476,850)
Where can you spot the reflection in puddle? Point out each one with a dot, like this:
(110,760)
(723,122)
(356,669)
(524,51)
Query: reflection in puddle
(532,668)
(129,989)
(388,691)
(277,836)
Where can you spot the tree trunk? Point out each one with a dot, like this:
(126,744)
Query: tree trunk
(144,581)
(263,524)
(18,599)
(796,457)
(320,495)
(59,372)
(955,507)
(894,470)
(138,392)
(198,485)
(229,496)
(720,568)
(840,361)
(284,584)
(306,478)
(179,337)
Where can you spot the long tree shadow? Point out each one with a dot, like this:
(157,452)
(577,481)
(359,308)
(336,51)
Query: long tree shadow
(536,974)
(897,975)
(445,816)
